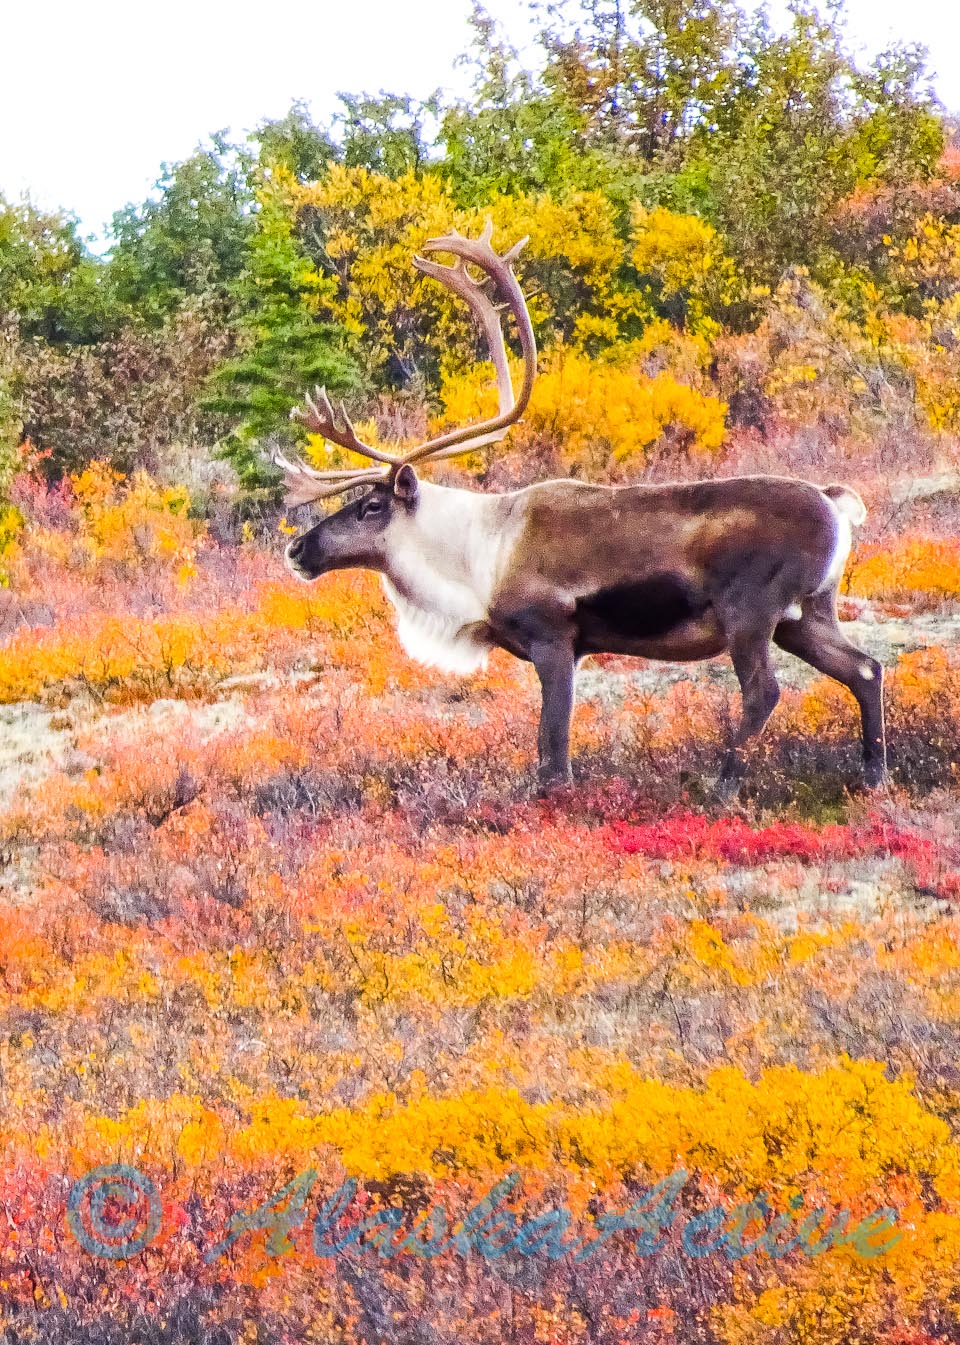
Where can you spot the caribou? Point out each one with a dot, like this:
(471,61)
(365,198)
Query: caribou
(563,569)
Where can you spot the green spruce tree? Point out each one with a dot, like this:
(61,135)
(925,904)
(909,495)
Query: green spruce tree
(289,349)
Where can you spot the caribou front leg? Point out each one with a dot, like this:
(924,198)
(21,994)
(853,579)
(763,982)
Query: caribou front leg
(554,663)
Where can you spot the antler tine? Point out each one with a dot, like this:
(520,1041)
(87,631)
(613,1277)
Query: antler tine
(317,413)
(319,417)
(341,487)
(304,484)
(497,270)
(511,255)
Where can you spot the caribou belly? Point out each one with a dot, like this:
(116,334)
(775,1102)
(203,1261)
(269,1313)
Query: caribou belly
(663,616)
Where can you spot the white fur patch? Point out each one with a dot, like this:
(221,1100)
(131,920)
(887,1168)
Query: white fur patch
(867,672)
(841,550)
(434,639)
(447,559)
(794,612)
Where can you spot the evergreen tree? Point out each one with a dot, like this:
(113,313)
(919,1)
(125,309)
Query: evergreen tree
(288,349)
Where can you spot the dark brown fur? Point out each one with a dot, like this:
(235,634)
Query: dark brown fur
(682,572)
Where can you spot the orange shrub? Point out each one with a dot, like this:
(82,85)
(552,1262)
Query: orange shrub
(907,566)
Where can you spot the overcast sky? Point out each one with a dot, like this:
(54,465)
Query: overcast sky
(95,96)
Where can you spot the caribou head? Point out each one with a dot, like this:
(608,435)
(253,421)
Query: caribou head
(371,530)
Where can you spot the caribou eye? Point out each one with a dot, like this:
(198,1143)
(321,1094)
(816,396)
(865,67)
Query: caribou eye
(371,506)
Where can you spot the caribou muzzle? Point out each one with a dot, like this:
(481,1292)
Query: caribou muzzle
(304,557)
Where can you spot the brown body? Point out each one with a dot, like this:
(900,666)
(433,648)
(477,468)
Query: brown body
(647,567)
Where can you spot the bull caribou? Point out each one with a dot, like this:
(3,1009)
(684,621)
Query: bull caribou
(563,569)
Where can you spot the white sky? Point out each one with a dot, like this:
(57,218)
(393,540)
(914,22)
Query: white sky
(93,97)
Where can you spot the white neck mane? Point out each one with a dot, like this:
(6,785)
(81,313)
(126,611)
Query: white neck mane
(446,562)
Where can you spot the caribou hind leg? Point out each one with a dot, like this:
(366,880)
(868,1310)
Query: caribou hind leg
(753,596)
(760,692)
(818,639)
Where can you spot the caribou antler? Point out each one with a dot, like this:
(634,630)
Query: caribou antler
(305,484)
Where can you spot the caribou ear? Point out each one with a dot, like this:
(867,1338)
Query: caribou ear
(406,487)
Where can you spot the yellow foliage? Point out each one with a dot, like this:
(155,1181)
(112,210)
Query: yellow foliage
(681,256)
(927,269)
(906,566)
(665,348)
(373,226)
(929,260)
(121,523)
(928,347)
(11,526)
(846,1125)
(134,657)
(130,522)
(595,412)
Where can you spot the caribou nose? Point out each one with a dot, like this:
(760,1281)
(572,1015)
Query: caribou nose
(294,557)
(304,558)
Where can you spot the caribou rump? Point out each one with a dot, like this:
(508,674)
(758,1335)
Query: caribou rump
(563,569)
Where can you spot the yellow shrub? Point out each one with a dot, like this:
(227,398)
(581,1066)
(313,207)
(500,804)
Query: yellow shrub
(928,261)
(129,522)
(596,412)
(928,349)
(142,516)
(11,526)
(682,256)
(907,566)
(664,348)
(372,227)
